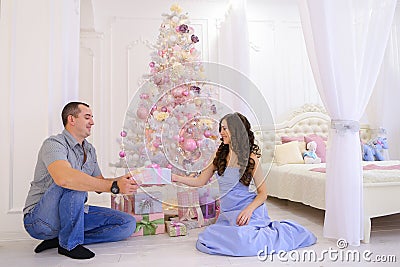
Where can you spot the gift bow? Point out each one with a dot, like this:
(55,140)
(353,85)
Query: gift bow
(149,227)
(175,224)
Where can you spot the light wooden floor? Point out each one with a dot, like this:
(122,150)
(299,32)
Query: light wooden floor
(162,250)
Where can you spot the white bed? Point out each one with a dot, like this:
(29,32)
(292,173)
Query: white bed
(295,182)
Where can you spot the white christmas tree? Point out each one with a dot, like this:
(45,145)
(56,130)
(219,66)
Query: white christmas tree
(172,120)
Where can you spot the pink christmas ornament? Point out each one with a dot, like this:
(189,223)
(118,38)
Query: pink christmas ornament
(164,109)
(152,64)
(189,145)
(122,154)
(123,134)
(144,96)
(156,144)
(142,113)
(207,134)
(177,48)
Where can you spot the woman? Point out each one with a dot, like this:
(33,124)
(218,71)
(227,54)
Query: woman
(243,228)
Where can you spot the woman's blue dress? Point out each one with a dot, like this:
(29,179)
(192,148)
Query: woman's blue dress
(225,237)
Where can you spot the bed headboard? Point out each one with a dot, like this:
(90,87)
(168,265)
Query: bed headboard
(308,119)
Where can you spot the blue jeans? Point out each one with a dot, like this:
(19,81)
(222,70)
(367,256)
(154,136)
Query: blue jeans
(61,213)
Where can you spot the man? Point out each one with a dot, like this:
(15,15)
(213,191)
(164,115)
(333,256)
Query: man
(66,169)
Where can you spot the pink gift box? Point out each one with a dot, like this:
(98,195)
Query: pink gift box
(188,203)
(152,176)
(149,224)
(122,203)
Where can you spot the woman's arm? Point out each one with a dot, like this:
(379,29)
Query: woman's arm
(201,180)
(245,215)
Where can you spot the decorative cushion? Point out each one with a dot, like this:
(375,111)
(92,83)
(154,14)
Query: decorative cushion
(288,153)
(321,146)
(300,139)
(287,139)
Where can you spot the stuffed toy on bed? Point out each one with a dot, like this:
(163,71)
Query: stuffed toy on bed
(310,157)
(372,149)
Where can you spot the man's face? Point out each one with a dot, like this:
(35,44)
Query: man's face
(84,122)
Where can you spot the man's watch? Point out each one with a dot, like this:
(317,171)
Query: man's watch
(114,188)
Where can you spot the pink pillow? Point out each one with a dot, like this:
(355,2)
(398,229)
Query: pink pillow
(287,139)
(321,146)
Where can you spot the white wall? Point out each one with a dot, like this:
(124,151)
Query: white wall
(279,62)
(37,78)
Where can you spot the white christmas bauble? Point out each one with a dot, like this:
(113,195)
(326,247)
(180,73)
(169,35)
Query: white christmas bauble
(172,39)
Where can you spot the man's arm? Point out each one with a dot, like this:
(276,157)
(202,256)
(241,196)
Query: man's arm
(65,176)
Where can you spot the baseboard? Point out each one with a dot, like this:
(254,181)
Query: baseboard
(14,236)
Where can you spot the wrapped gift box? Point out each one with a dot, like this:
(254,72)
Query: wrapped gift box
(188,204)
(152,175)
(175,228)
(122,202)
(208,210)
(192,224)
(149,224)
(147,202)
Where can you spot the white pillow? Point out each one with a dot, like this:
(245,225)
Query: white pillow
(288,153)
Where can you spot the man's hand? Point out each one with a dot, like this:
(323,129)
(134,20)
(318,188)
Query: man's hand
(126,184)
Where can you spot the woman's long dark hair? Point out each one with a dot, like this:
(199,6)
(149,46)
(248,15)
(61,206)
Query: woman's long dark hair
(242,141)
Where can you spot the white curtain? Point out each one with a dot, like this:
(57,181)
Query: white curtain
(234,50)
(64,38)
(384,100)
(345,41)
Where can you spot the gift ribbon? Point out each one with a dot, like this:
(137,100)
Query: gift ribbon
(149,227)
(189,214)
(343,126)
(190,211)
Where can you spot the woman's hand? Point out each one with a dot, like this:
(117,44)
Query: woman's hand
(244,216)
(175,178)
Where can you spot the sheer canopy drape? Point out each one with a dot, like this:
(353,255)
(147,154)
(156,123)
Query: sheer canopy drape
(345,41)
(234,49)
(384,100)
